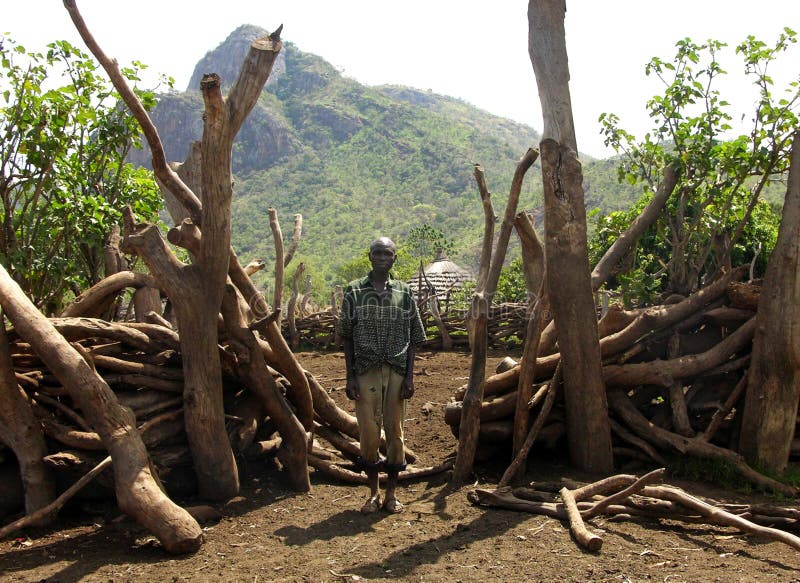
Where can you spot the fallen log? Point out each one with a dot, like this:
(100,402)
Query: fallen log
(720,516)
(653,501)
(586,539)
(338,472)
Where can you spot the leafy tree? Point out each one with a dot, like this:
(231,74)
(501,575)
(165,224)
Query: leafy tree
(715,214)
(511,283)
(425,241)
(63,179)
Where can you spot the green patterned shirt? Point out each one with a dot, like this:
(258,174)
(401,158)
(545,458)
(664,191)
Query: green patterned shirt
(381,325)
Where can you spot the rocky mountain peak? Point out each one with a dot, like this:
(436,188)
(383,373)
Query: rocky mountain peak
(226,59)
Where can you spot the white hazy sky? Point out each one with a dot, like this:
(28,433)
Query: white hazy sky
(474,50)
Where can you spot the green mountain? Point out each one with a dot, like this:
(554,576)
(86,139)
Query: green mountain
(359,161)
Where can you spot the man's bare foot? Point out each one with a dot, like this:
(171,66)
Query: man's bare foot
(371,505)
(393,506)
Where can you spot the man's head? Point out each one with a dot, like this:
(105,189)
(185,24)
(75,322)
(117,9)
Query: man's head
(382,253)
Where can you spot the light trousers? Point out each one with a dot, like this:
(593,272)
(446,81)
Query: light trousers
(379,405)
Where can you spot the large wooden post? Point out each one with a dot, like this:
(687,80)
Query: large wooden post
(568,273)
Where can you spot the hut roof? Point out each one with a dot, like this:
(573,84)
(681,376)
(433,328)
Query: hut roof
(442,274)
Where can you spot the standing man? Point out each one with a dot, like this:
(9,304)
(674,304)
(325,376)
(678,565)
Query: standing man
(380,325)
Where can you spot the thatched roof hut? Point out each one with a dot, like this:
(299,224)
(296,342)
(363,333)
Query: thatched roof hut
(441,277)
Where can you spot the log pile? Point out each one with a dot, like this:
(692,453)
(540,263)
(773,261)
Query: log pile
(626,497)
(142,364)
(674,376)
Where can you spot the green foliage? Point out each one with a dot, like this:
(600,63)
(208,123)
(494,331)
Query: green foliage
(361,162)
(511,283)
(63,183)
(355,268)
(716,211)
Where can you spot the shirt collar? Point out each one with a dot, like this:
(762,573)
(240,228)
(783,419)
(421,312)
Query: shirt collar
(389,281)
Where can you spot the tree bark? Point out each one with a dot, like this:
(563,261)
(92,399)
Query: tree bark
(773,382)
(569,284)
(572,304)
(146,300)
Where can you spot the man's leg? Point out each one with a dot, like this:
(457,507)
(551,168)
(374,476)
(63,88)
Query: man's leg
(368,414)
(394,408)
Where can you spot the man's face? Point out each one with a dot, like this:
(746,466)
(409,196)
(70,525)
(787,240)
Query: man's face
(382,257)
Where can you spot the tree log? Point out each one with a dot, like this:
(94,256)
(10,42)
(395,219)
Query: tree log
(586,539)
(90,302)
(663,373)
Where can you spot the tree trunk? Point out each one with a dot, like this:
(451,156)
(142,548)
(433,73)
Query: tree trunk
(138,493)
(773,383)
(569,284)
(277,238)
(477,321)
(569,289)
(470,414)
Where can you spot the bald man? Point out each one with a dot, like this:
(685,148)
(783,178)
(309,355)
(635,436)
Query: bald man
(380,325)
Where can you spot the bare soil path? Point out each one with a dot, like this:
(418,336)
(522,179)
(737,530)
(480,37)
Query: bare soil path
(272,534)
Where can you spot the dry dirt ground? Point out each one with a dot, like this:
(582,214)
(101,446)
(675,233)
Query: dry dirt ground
(272,534)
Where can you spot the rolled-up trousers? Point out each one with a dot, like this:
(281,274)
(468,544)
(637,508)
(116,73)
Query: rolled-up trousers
(379,405)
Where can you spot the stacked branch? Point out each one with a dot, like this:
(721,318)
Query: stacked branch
(673,375)
(142,365)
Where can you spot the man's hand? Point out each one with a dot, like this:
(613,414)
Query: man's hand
(407,388)
(351,390)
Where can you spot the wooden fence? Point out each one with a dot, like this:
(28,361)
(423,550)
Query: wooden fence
(506,328)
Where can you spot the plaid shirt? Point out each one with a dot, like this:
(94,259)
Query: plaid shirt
(381,325)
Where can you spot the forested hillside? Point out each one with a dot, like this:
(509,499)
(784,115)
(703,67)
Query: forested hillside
(359,161)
